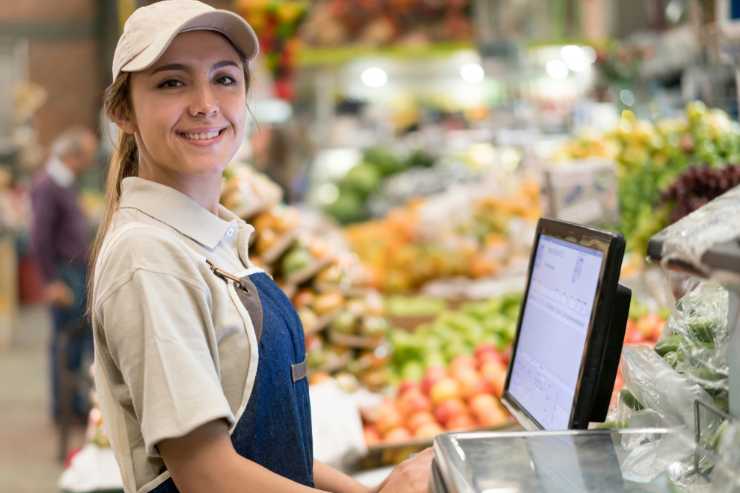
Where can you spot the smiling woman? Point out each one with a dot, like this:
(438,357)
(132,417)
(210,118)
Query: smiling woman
(199,357)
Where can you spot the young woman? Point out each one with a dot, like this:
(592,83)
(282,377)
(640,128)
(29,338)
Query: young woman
(200,359)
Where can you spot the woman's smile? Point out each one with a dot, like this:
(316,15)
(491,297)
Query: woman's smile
(202,137)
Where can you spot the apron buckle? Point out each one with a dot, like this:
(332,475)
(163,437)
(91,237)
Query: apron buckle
(223,274)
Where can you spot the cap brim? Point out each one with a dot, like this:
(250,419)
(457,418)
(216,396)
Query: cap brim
(235,28)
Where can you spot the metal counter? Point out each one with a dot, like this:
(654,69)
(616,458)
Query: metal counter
(551,462)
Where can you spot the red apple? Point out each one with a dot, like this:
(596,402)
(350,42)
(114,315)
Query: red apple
(633,335)
(471,383)
(428,430)
(398,434)
(388,418)
(417,420)
(487,351)
(506,356)
(488,410)
(371,414)
(651,326)
(413,401)
(444,390)
(495,375)
(490,356)
(407,385)
(482,403)
(449,409)
(372,436)
(461,422)
(462,361)
(433,375)
(492,418)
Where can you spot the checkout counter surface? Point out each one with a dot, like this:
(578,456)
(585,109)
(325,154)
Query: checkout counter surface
(550,462)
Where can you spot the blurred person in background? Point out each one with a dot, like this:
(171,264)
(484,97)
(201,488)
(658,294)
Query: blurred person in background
(60,237)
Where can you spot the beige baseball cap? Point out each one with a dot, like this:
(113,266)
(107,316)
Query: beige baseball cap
(150,30)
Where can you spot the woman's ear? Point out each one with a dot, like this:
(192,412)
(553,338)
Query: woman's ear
(126,123)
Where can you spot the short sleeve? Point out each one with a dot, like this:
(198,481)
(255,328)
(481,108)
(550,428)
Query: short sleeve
(159,333)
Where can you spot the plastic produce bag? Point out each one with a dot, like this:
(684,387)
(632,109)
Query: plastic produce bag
(695,340)
(656,395)
(688,364)
(726,475)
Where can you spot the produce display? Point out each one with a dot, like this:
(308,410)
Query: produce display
(587,145)
(644,326)
(652,155)
(365,179)
(481,234)
(343,320)
(454,333)
(380,23)
(347,336)
(697,186)
(461,396)
(277,22)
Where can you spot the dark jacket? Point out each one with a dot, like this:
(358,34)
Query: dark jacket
(60,232)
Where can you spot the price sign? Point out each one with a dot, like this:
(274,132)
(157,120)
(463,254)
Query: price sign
(583,192)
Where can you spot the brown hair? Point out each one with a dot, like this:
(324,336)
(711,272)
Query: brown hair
(124,161)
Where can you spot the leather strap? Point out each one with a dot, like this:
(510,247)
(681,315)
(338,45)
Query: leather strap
(250,298)
(298,370)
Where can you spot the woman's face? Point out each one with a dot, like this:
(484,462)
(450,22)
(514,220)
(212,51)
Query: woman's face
(189,107)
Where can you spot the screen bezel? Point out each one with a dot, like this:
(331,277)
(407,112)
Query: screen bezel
(611,246)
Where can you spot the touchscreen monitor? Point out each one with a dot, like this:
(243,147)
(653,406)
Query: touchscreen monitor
(564,324)
(554,328)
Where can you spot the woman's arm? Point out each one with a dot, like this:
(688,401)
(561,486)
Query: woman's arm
(329,479)
(204,460)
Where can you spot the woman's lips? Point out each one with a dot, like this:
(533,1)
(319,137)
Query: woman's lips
(202,137)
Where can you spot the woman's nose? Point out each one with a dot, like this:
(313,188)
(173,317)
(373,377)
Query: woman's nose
(203,103)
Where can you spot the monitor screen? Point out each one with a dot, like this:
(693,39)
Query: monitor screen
(554,330)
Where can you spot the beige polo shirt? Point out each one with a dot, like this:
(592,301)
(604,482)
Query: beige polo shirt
(174,347)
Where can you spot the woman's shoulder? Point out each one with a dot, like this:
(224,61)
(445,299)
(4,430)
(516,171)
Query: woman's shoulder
(136,244)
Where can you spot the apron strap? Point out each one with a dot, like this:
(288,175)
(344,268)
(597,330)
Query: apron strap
(248,295)
(298,370)
(250,298)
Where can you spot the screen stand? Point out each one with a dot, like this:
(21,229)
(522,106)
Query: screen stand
(610,359)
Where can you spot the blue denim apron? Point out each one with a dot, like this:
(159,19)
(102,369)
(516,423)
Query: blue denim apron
(275,428)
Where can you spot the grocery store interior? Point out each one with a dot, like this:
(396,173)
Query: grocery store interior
(508,217)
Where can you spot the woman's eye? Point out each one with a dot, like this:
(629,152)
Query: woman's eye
(169,83)
(226,80)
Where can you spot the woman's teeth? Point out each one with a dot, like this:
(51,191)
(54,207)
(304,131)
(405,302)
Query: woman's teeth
(201,135)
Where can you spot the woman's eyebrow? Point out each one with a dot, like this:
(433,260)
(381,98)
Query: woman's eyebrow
(185,68)
(224,63)
(170,66)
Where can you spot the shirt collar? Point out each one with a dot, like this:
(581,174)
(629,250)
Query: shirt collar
(179,211)
(60,173)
